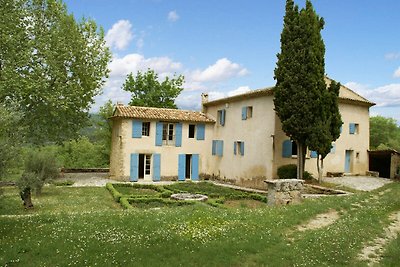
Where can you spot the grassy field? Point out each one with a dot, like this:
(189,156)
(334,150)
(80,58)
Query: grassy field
(86,227)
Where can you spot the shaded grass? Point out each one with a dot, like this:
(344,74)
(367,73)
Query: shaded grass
(195,235)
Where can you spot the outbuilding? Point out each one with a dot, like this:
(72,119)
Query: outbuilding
(386,162)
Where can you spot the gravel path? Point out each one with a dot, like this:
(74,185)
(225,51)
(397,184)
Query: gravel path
(362,183)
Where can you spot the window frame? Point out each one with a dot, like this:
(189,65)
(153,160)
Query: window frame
(146,128)
(193,126)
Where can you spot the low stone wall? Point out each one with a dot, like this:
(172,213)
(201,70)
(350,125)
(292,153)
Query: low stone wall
(284,192)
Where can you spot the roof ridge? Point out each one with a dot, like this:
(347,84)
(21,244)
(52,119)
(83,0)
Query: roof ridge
(172,109)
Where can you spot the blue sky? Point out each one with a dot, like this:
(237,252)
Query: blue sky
(228,47)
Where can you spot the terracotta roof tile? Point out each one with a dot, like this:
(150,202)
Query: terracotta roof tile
(163,114)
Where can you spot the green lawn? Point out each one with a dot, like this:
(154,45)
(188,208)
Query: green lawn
(86,227)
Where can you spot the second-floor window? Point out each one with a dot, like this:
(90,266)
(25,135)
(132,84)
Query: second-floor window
(354,128)
(192,130)
(168,133)
(146,128)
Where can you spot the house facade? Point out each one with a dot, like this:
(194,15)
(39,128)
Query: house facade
(240,140)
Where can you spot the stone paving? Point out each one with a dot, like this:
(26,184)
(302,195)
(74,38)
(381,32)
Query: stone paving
(362,183)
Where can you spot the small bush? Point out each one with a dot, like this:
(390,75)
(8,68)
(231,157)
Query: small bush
(289,171)
(40,167)
(64,183)
(116,195)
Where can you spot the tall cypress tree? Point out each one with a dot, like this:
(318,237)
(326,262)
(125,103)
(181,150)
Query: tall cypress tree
(327,128)
(300,76)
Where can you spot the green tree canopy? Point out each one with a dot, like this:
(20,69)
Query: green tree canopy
(51,66)
(148,91)
(299,75)
(384,133)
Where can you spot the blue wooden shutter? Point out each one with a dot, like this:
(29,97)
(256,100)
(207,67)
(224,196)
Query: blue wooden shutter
(214,147)
(313,154)
(242,148)
(222,117)
(159,129)
(136,129)
(352,128)
(234,148)
(287,149)
(244,113)
(195,167)
(156,167)
(181,167)
(200,131)
(134,171)
(220,148)
(178,134)
(341,129)
(333,149)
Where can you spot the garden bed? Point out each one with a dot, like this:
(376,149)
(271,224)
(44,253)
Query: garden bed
(145,196)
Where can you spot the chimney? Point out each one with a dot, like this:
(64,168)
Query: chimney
(204,99)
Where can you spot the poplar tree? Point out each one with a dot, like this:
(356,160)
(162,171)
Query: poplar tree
(299,76)
(51,67)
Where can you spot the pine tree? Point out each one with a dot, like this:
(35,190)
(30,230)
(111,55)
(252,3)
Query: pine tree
(300,76)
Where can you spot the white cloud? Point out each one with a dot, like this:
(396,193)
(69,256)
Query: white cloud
(383,96)
(173,16)
(221,70)
(240,90)
(120,35)
(135,62)
(392,56)
(396,74)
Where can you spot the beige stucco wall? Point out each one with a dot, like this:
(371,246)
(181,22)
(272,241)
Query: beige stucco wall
(335,162)
(256,164)
(123,146)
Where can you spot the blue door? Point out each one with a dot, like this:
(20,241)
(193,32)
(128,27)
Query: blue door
(347,161)
(195,167)
(134,171)
(181,167)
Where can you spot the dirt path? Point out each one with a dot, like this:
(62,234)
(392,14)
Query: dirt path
(372,253)
(320,221)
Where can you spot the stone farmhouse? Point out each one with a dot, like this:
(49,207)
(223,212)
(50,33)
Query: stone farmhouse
(237,139)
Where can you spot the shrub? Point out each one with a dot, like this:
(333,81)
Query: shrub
(40,167)
(288,171)
(116,195)
(64,183)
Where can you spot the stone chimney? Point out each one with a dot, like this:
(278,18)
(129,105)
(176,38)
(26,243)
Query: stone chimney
(204,99)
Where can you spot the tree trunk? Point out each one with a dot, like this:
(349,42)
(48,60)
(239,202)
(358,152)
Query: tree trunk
(301,152)
(27,198)
(321,171)
(318,166)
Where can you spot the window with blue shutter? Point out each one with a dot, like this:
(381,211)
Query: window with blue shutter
(195,167)
(178,134)
(201,128)
(313,154)
(159,133)
(244,113)
(136,129)
(287,149)
(214,147)
(220,148)
(156,167)
(234,148)
(221,117)
(181,167)
(242,148)
(134,170)
(352,128)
